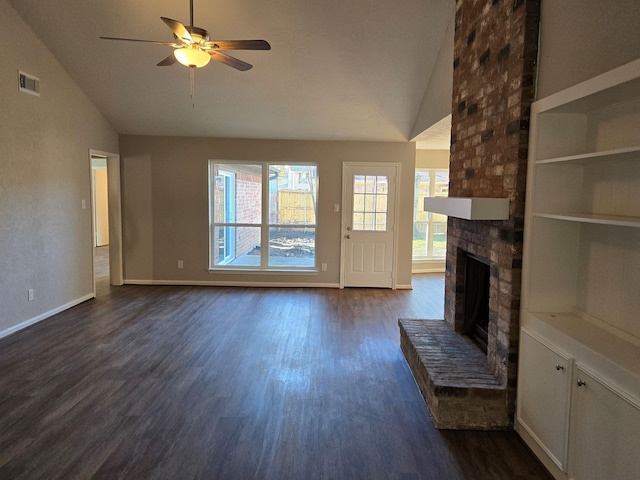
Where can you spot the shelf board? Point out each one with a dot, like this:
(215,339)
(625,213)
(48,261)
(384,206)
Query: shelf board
(615,86)
(607,341)
(631,153)
(615,220)
(469,208)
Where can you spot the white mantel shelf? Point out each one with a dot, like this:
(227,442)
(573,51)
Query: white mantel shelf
(469,208)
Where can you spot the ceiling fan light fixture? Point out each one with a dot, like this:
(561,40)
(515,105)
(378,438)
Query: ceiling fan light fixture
(192,56)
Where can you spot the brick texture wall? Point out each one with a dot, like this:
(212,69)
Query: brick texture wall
(495,54)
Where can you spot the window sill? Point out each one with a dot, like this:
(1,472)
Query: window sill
(297,271)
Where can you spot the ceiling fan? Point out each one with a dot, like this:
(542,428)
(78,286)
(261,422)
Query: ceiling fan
(193,48)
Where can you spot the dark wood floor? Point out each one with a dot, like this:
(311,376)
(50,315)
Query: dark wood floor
(233,383)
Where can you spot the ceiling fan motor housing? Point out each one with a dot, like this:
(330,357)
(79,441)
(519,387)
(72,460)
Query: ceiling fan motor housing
(198,35)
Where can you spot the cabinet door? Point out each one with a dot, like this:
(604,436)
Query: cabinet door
(605,432)
(543,396)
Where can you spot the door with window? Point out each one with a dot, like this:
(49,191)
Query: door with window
(368,224)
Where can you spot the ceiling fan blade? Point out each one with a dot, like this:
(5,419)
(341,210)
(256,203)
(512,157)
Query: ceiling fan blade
(168,44)
(170,60)
(238,45)
(230,61)
(178,29)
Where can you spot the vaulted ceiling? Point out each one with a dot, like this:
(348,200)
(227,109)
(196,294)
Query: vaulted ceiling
(338,69)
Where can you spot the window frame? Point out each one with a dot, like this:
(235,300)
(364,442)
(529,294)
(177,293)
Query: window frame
(229,192)
(430,222)
(265,226)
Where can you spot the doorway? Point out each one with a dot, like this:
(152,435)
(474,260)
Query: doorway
(100,216)
(106,222)
(368,224)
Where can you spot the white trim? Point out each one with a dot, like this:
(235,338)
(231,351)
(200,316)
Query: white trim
(215,283)
(428,270)
(428,265)
(272,271)
(404,287)
(45,315)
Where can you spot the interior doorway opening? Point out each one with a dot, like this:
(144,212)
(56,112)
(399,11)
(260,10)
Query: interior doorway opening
(100,211)
(106,225)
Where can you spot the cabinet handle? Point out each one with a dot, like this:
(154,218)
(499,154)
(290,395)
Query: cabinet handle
(559,367)
(581,383)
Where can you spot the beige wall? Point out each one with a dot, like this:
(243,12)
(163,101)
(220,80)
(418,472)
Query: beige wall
(432,159)
(165,203)
(45,235)
(580,39)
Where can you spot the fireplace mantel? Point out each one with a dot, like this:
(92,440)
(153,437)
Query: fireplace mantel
(469,208)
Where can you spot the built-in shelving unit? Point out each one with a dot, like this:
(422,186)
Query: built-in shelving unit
(581,268)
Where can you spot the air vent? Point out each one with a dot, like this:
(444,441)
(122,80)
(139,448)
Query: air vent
(28,83)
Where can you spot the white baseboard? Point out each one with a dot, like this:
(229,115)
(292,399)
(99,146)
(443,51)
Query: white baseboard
(230,284)
(45,315)
(404,287)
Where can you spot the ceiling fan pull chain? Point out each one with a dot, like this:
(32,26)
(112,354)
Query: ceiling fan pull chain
(193,87)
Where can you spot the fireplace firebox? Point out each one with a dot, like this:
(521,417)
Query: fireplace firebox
(476,301)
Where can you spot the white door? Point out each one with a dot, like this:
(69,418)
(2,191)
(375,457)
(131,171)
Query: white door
(368,224)
(604,431)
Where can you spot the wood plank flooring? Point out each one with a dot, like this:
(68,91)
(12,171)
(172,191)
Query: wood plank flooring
(233,383)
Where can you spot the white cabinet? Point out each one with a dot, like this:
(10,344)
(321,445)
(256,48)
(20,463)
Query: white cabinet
(543,396)
(581,277)
(581,424)
(605,431)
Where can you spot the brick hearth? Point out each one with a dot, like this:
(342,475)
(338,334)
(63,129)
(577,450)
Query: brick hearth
(453,377)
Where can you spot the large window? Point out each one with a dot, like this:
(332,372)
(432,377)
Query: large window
(254,205)
(429,229)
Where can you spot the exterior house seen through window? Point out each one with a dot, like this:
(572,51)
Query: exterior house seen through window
(262,215)
(429,229)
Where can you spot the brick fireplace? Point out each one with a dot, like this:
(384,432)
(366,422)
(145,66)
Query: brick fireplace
(495,51)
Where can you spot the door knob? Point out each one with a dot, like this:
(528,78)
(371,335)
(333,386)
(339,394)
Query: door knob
(349,228)
(347,236)
(581,383)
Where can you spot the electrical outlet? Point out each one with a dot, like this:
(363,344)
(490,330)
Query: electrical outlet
(30,294)
(84,204)
(323,267)
(180,264)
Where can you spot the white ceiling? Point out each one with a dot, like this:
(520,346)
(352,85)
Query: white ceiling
(436,137)
(338,69)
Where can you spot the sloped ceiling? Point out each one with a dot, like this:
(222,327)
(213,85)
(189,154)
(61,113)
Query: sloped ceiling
(338,69)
